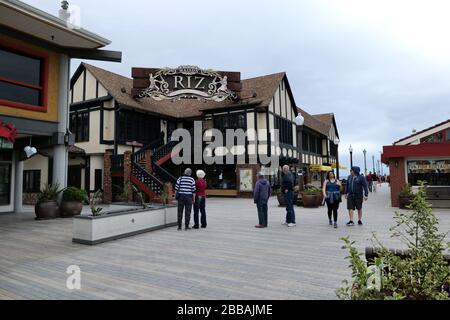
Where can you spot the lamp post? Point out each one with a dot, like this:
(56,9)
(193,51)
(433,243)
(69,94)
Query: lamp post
(365,162)
(382,173)
(378,161)
(336,142)
(300,121)
(351,156)
(373,160)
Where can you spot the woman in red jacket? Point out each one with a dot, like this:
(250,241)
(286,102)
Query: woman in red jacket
(200,200)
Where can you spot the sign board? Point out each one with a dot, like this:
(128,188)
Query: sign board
(428,165)
(185,82)
(5,144)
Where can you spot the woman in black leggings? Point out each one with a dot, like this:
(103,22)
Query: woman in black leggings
(332,192)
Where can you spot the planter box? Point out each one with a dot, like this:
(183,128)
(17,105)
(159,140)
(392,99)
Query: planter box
(120,224)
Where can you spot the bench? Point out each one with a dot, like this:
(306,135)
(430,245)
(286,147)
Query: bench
(439,196)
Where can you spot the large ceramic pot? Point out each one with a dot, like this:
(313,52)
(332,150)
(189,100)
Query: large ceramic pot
(46,210)
(70,208)
(310,200)
(281,202)
(404,201)
(319,199)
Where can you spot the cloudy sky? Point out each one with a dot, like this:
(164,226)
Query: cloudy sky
(383,67)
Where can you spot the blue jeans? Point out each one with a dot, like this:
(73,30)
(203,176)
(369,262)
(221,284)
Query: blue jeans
(262,212)
(290,213)
(200,205)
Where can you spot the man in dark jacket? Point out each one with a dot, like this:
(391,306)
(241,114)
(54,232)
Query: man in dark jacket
(261,196)
(356,191)
(287,188)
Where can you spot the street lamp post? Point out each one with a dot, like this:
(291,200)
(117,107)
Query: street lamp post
(336,142)
(378,167)
(365,162)
(300,121)
(351,156)
(382,173)
(373,160)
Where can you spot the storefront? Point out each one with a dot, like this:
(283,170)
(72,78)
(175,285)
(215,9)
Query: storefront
(422,156)
(35,53)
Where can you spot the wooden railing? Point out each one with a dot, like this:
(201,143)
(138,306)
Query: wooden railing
(164,150)
(140,155)
(163,174)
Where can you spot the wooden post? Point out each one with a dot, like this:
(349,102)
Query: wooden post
(148,160)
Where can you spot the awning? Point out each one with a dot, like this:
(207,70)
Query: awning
(334,166)
(318,167)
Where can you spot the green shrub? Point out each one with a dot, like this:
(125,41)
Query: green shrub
(419,275)
(312,190)
(407,191)
(74,194)
(49,193)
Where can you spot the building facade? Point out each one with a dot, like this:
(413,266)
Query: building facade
(422,156)
(119,122)
(35,53)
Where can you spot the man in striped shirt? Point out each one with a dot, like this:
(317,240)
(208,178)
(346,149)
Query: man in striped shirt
(185,191)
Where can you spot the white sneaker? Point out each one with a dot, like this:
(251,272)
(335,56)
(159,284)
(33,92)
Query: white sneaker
(292,225)
(284,223)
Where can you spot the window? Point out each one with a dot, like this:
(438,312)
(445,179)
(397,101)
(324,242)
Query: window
(305,141)
(434,138)
(230,121)
(284,127)
(31,181)
(434,172)
(79,125)
(5,183)
(447,135)
(22,80)
(135,126)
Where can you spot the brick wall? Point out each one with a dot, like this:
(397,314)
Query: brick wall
(398,178)
(107,179)
(127,174)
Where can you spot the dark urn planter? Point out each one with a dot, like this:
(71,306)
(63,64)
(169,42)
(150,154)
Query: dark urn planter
(281,202)
(70,208)
(404,201)
(46,210)
(310,200)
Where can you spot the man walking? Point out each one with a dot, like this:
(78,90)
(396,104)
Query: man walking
(287,188)
(369,180)
(185,189)
(261,196)
(356,192)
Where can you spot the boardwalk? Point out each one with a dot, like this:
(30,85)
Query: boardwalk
(229,260)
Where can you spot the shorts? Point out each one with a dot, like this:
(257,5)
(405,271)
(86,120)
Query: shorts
(355,201)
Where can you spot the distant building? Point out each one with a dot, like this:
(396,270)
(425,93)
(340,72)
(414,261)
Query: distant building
(424,155)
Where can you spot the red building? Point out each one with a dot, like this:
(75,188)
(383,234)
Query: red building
(424,155)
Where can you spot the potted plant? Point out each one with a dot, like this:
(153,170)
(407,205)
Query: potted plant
(312,197)
(47,206)
(405,197)
(280,197)
(72,202)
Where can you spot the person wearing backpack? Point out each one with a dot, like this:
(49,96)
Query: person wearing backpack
(261,197)
(356,192)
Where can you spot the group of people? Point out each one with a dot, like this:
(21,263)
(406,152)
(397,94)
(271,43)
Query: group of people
(356,192)
(192,193)
(373,180)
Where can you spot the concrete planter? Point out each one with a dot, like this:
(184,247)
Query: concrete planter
(115,225)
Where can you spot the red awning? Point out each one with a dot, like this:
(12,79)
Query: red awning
(8,132)
(417,150)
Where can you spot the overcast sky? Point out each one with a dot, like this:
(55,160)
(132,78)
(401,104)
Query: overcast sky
(383,67)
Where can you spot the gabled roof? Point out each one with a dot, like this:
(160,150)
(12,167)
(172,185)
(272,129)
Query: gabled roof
(422,131)
(329,119)
(256,91)
(314,123)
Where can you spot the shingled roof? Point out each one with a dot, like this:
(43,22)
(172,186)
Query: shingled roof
(259,90)
(314,123)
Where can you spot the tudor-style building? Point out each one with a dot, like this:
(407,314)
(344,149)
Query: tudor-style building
(35,53)
(121,122)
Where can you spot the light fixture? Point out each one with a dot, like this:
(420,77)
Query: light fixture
(30,151)
(299,120)
(350,149)
(337,141)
